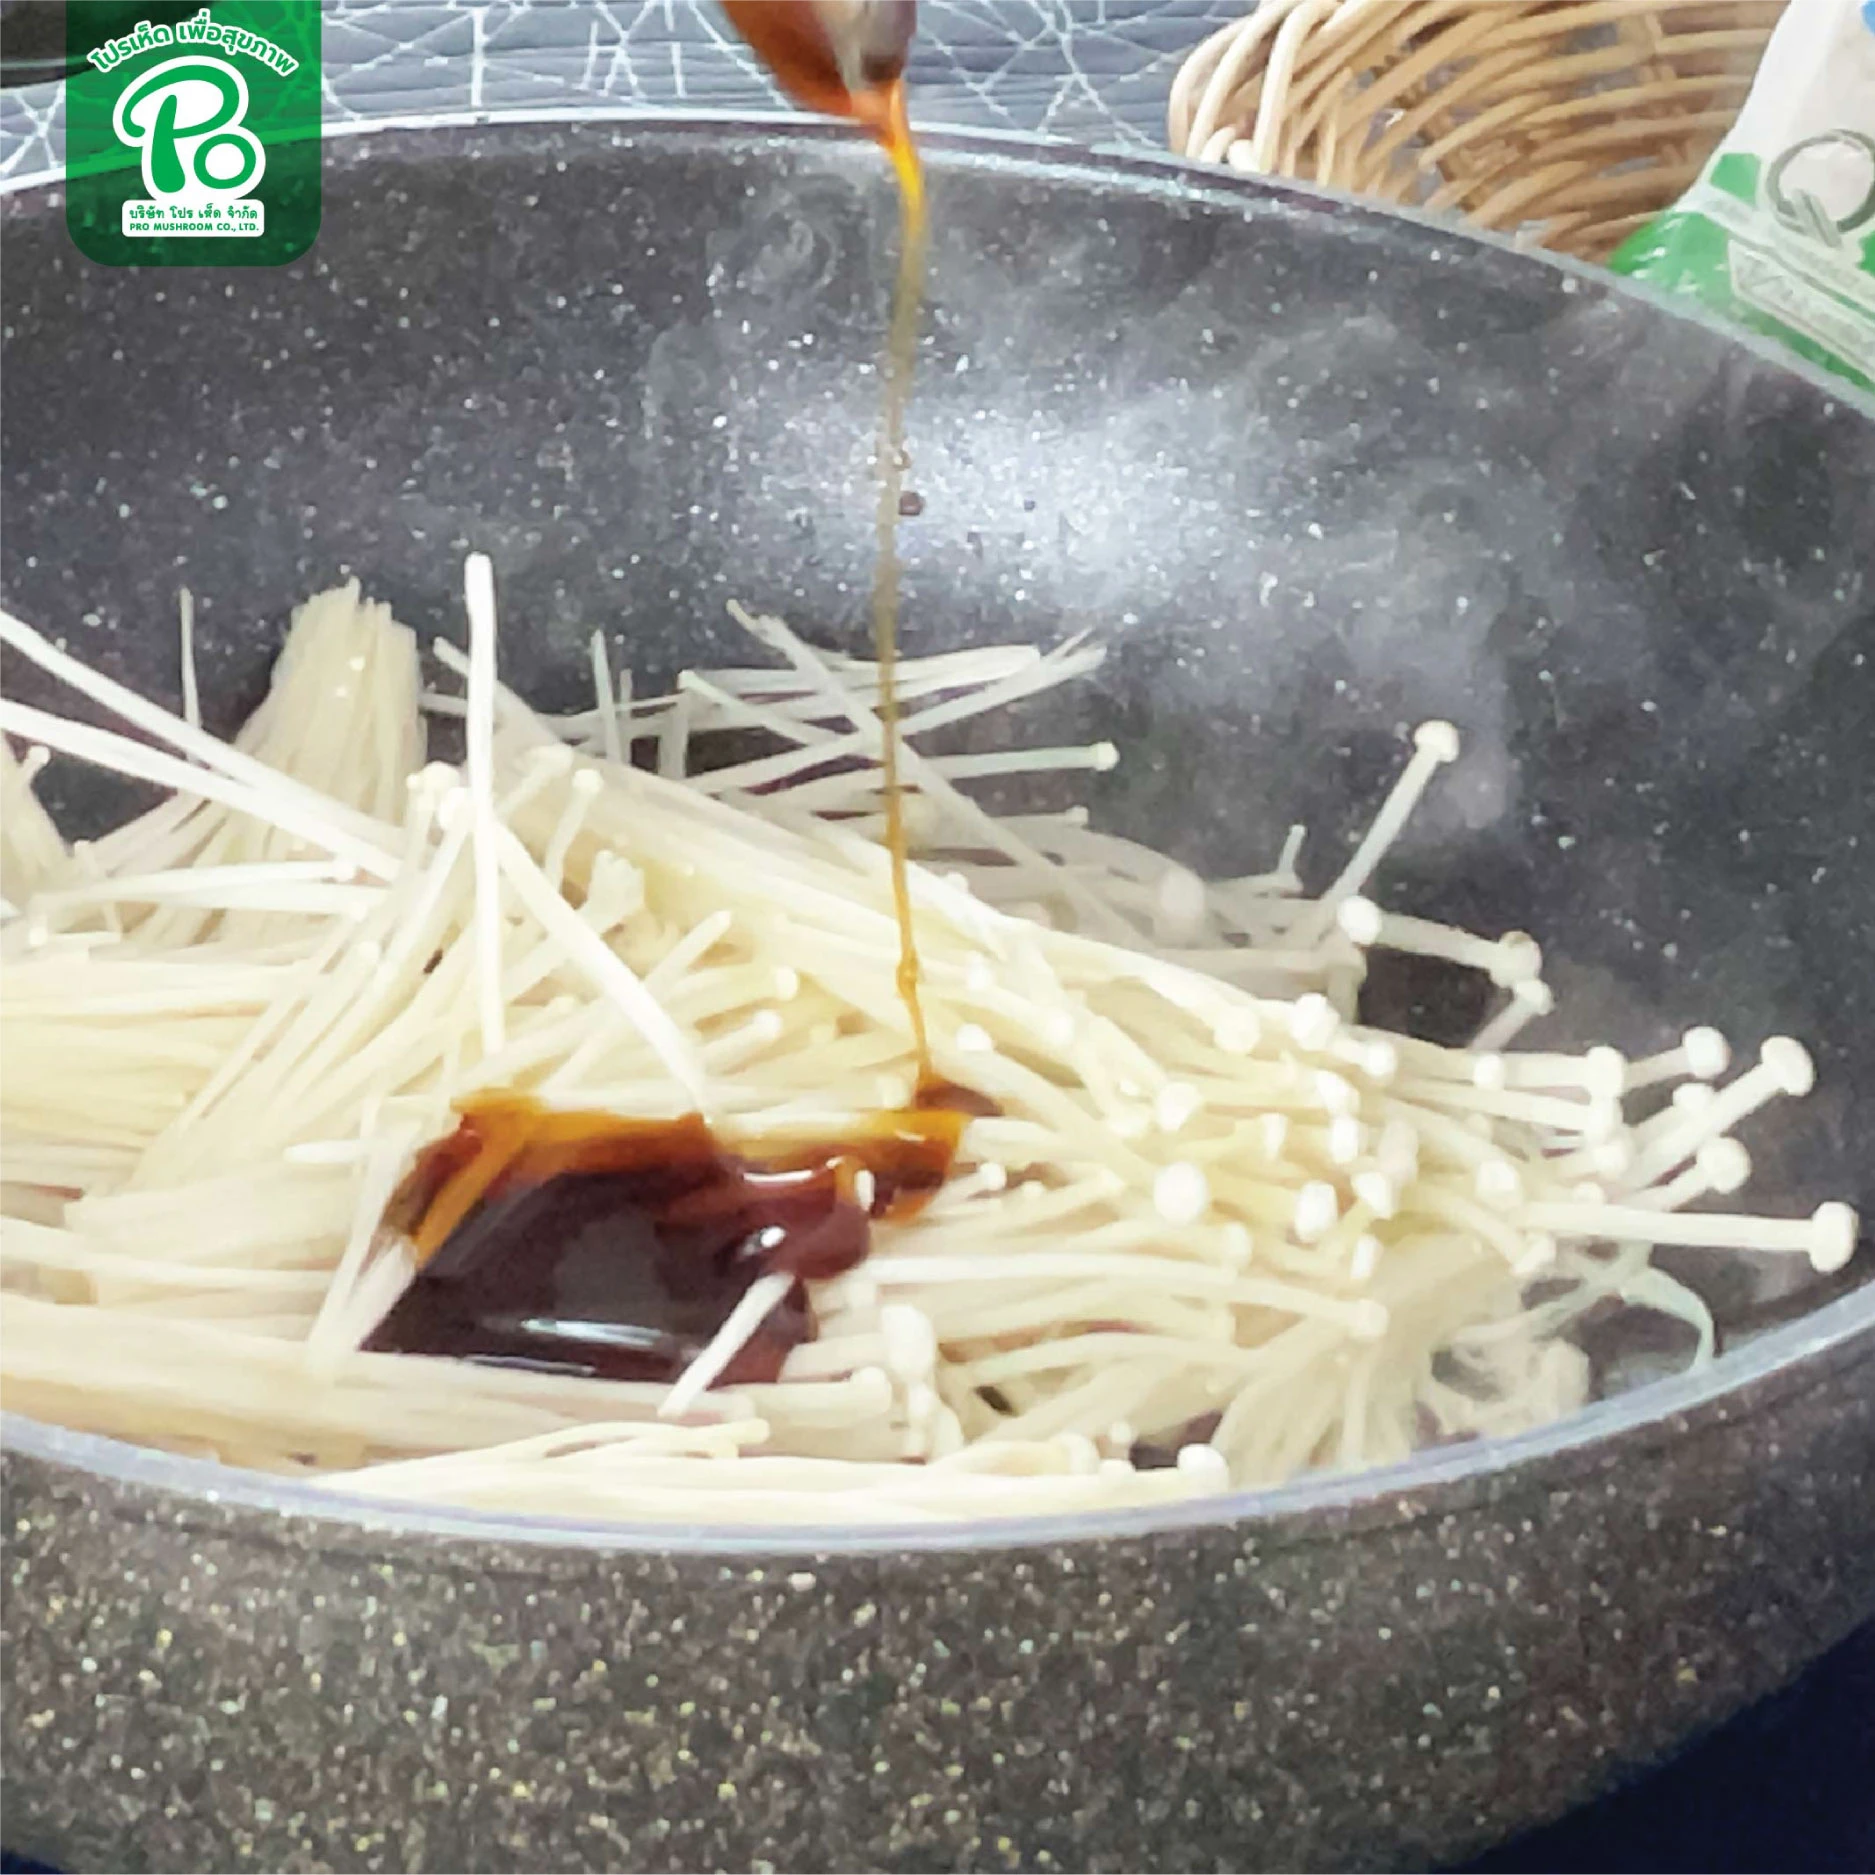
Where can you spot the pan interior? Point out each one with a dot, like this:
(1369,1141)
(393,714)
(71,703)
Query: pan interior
(1314,473)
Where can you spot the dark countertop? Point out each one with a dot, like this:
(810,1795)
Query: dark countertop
(1788,1784)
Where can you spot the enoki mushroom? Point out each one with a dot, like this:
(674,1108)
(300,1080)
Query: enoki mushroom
(1208,1230)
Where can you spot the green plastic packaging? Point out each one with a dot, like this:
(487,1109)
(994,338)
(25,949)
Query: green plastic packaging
(1778,233)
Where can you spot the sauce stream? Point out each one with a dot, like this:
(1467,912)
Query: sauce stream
(900,352)
(862,79)
(586,1243)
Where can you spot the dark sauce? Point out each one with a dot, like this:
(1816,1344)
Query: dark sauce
(588,1244)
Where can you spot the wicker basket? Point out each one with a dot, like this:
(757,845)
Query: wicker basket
(1566,122)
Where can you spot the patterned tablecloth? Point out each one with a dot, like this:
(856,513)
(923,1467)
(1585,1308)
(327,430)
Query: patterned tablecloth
(1087,71)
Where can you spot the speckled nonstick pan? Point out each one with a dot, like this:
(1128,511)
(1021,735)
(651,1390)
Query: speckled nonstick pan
(1315,472)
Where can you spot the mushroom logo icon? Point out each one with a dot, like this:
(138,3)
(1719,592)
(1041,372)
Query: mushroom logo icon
(185,118)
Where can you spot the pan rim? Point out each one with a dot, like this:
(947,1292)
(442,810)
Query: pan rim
(1427,1484)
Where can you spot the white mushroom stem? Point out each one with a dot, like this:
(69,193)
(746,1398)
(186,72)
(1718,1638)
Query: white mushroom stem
(1594,1119)
(1318,1208)
(1499,1184)
(1702,1053)
(1376,1191)
(478,578)
(1206,1464)
(222,757)
(608,972)
(1827,1237)
(1434,744)
(759,1301)
(250,884)
(1688,1097)
(1607,1159)
(1601,1073)
(1509,960)
(1616,1157)
(185,629)
(583,790)
(1410,1133)
(605,701)
(1783,1067)
(1721,1166)
(911,1345)
(1181,1194)
(317,822)
(1396,1151)
(1450,1206)
(1529,999)
(1377,1057)
(546,767)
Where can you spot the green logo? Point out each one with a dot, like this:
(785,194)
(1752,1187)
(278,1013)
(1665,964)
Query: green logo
(192,132)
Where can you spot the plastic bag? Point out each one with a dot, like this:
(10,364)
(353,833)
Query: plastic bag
(1778,233)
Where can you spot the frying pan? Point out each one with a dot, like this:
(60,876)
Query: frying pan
(1315,472)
